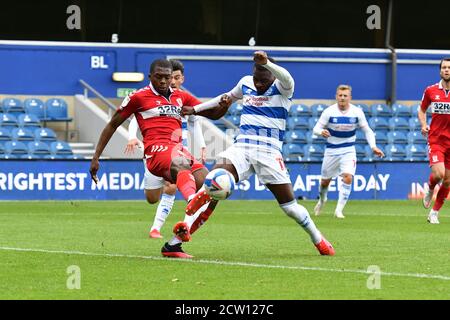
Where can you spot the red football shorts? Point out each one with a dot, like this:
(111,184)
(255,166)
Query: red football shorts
(439,153)
(159,158)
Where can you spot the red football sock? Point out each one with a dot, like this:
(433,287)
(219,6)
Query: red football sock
(201,219)
(432,182)
(186,183)
(440,198)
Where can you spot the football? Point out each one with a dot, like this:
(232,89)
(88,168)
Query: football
(219,184)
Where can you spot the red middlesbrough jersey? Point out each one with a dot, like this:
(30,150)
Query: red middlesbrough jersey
(438,99)
(158,117)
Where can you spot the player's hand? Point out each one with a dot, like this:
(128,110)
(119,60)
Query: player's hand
(187,111)
(203,155)
(225,101)
(260,57)
(378,152)
(425,130)
(132,145)
(325,133)
(94,169)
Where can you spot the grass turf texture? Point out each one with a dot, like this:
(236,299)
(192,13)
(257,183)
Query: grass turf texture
(392,235)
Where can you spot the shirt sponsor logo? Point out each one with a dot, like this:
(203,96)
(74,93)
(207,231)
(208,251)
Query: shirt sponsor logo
(441,107)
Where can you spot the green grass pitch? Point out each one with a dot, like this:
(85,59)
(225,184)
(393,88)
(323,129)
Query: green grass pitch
(247,250)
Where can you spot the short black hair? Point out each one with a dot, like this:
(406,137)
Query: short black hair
(443,59)
(177,65)
(163,63)
(261,68)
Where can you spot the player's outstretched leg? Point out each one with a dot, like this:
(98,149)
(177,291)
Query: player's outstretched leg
(429,191)
(301,216)
(199,200)
(442,194)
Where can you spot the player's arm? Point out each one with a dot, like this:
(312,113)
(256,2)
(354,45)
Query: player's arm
(370,136)
(105,136)
(133,141)
(195,129)
(422,113)
(286,80)
(320,127)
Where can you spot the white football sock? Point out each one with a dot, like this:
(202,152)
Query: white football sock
(190,219)
(301,216)
(344,193)
(323,191)
(163,210)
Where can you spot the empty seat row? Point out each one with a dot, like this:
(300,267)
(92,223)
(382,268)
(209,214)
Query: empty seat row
(35,148)
(38,156)
(25,134)
(54,109)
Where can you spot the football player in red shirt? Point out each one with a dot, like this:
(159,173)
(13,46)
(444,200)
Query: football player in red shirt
(437,97)
(157,108)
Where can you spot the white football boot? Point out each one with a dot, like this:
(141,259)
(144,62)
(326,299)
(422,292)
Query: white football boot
(339,215)
(433,217)
(319,206)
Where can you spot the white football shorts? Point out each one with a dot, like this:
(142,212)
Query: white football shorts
(336,165)
(151,181)
(266,163)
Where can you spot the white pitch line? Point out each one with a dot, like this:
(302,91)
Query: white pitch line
(228,263)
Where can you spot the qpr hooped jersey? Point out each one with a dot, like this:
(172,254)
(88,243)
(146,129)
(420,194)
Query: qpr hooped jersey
(159,118)
(342,127)
(438,99)
(263,118)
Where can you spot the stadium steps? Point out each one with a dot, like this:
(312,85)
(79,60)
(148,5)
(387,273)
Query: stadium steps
(84,149)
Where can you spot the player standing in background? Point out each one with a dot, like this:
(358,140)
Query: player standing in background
(266,98)
(157,108)
(152,183)
(338,124)
(438,97)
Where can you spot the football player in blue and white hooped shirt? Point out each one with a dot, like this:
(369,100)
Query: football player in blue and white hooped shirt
(266,98)
(338,124)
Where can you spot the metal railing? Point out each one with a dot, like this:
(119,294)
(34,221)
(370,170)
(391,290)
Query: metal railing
(111,107)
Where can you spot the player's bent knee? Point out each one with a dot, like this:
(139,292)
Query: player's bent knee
(152,196)
(170,189)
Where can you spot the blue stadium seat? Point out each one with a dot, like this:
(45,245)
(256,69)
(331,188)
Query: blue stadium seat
(5,135)
(401,110)
(311,138)
(235,109)
(377,123)
(381,137)
(360,151)
(398,123)
(74,157)
(22,134)
(15,148)
(36,107)
(296,136)
(44,134)
(31,121)
(397,137)
(38,148)
(56,110)
(416,137)
(369,152)
(8,120)
(54,156)
(317,108)
(380,110)
(415,110)
(416,152)
(395,150)
(2,149)
(360,136)
(234,120)
(292,150)
(9,156)
(30,156)
(300,110)
(295,123)
(312,122)
(414,124)
(13,106)
(60,147)
(365,108)
(314,150)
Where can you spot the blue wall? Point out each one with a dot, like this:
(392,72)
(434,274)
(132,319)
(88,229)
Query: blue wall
(55,68)
(121,180)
